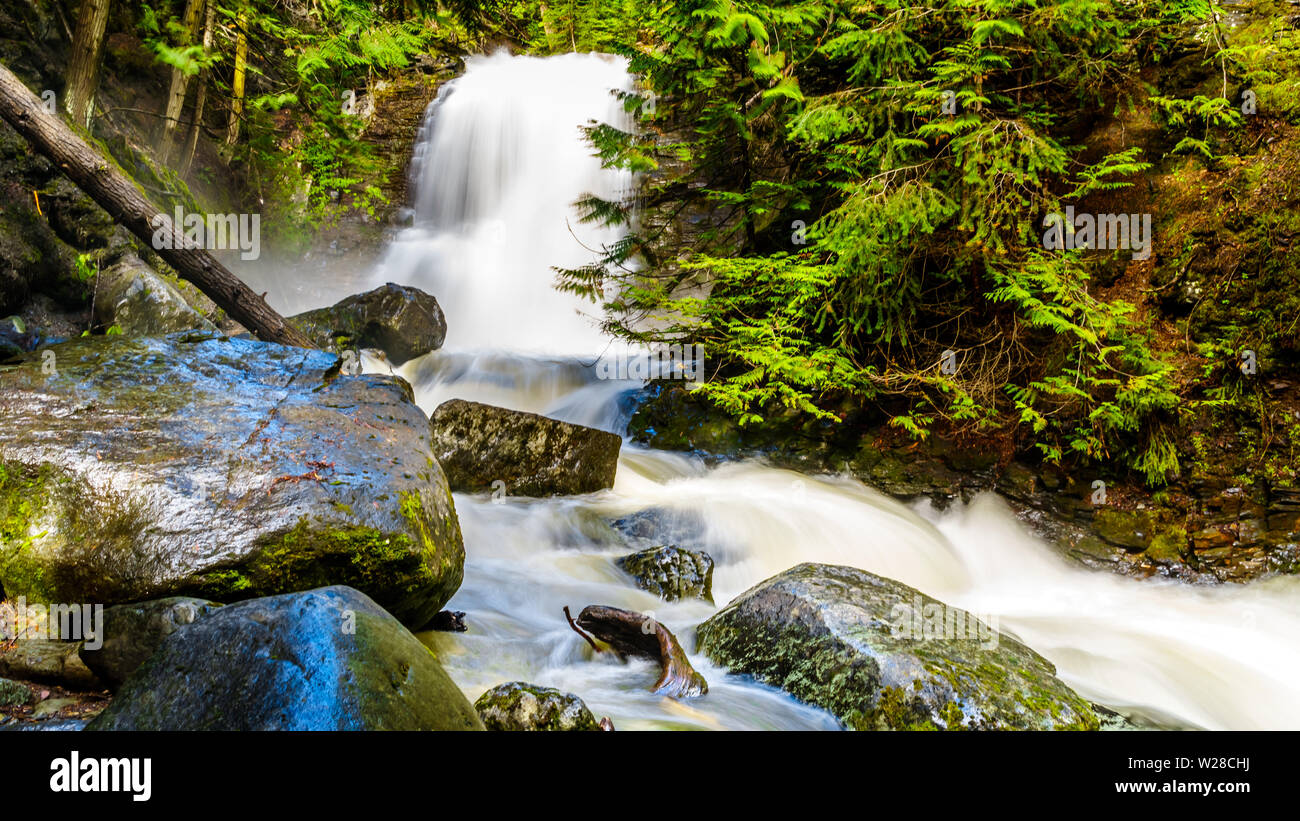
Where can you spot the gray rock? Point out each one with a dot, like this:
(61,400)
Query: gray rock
(48,661)
(671,572)
(140,301)
(865,648)
(326,659)
(132,632)
(193,464)
(521,706)
(402,322)
(479,445)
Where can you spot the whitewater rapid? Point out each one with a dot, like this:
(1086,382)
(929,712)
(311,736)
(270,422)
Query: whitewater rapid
(498,164)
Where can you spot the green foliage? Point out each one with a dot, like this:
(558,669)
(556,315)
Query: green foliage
(921,143)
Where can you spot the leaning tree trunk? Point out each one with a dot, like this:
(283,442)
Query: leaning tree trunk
(123,201)
(83,69)
(180,81)
(241,68)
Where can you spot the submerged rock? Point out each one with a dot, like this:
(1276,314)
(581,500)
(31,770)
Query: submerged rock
(402,322)
(326,659)
(671,572)
(132,632)
(139,301)
(865,648)
(195,464)
(483,447)
(521,706)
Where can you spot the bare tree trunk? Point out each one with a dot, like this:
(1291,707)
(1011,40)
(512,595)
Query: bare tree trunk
(83,70)
(241,67)
(180,82)
(125,203)
(201,98)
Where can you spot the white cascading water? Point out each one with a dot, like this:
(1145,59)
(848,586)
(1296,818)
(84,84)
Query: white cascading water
(500,161)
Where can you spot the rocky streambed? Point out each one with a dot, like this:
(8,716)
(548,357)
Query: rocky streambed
(215,506)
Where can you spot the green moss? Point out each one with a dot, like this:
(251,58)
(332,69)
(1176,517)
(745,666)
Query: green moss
(23,491)
(371,560)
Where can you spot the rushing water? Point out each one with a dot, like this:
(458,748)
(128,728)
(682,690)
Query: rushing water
(499,161)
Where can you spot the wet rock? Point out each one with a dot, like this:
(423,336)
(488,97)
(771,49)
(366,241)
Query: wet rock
(51,707)
(402,322)
(480,446)
(448,621)
(325,659)
(881,655)
(132,632)
(46,660)
(14,694)
(140,468)
(521,706)
(671,572)
(63,725)
(140,301)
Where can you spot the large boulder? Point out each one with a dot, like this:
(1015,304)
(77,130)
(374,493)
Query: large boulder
(480,445)
(195,464)
(402,322)
(521,706)
(48,661)
(140,302)
(670,572)
(326,659)
(132,632)
(881,655)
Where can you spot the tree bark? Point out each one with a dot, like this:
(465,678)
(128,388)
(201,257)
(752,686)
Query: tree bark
(241,68)
(633,634)
(83,69)
(180,82)
(124,202)
(201,98)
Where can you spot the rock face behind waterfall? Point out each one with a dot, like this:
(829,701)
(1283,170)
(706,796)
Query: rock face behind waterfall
(842,639)
(479,445)
(194,464)
(402,322)
(326,659)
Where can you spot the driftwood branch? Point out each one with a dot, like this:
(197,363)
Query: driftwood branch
(578,630)
(634,634)
(124,202)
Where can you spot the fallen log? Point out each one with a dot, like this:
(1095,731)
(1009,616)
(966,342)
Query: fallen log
(634,634)
(124,202)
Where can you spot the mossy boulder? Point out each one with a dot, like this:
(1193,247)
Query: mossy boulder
(521,706)
(670,572)
(194,464)
(132,632)
(139,301)
(479,445)
(880,655)
(402,322)
(48,661)
(326,659)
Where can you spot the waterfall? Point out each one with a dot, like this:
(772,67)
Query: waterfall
(499,163)
(500,160)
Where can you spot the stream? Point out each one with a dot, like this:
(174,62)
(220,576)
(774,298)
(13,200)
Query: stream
(497,166)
